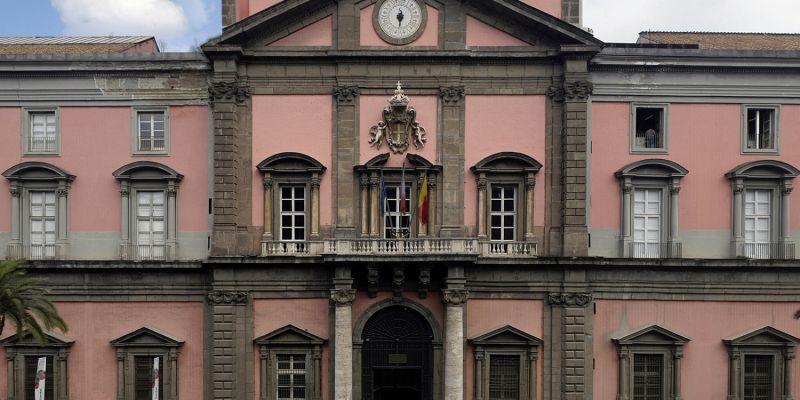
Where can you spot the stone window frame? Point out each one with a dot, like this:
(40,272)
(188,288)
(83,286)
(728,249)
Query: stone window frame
(147,341)
(289,340)
(295,169)
(27,128)
(776,128)
(765,340)
(369,175)
(634,149)
(772,175)
(506,341)
(39,176)
(653,339)
(507,169)
(147,176)
(135,111)
(56,346)
(660,174)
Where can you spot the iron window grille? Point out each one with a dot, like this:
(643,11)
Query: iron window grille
(504,372)
(291,374)
(31,364)
(145,375)
(648,376)
(758,377)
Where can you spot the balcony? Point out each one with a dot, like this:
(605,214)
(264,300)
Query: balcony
(32,252)
(766,251)
(400,247)
(136,252)
(655,250)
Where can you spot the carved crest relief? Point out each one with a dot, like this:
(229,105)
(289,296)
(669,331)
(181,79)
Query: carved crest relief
(399,127)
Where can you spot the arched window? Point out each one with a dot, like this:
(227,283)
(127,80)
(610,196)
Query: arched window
(149,211)
(38,210)
(650,208)
(761,203)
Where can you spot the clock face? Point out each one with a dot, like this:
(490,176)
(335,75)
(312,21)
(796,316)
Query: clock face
(400,21)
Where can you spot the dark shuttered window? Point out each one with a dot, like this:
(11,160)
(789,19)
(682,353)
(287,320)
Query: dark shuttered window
(504,377)
(758,377)
(145,377)
(648,376)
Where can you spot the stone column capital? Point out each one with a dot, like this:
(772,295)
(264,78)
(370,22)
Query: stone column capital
(343,297)
(234,91)
(220,297)
(452,95)
(346,95)
(569,299)
(578,90)
(455,297)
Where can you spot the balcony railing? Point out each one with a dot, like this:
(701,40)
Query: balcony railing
(400,247)
(766,251)
(136,252)
(655,250)
(32,252)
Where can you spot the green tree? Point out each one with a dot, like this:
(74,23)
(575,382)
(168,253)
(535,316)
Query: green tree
(23,302)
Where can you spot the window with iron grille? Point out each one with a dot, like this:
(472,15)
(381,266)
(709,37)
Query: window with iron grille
(42,224)
(648,376)
(503,214)
(146,370)
(31,364)
(291,374)
(760,128)
(504,372)
(43,132)
(151,131)
(150,225)
(293,213)
(758,377)
(649,128)
(397,212)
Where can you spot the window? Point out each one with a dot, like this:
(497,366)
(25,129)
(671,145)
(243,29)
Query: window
(650,209)
(761,193)
(24,361)
(506,183)
(649,364)
(759,361)
(293,213)
(649,128)
(149,208)
(290,367)
(147,361)
(505,364)
(151,131)
(760,129)
(503,214)
(41,131)
(39,207)
(397,211)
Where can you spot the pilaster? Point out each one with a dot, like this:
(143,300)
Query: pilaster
(345,156)
(232,354)
(451,154)
(571,371)
(342,297)
(455,299)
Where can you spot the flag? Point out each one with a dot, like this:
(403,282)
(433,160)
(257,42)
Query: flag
(383,196)
(422,201)
(156,379)
(40,379)
(403,208)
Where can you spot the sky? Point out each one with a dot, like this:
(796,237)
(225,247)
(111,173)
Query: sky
(182,25)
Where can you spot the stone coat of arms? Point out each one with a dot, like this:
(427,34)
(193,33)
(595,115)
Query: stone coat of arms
(399,126)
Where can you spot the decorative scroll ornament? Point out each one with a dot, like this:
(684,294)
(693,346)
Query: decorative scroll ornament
(343,297)
(569,299)
(578,90)
(399,125)
(228,91)
(224,297)
(455,297)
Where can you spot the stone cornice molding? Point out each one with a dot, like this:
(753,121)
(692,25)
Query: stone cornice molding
(221,297)
(569,299)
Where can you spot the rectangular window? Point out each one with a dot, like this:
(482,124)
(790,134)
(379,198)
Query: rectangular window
(504,372)
(146,370)
(648,376)
(293,213)
(757,223)
(760,129)
(397,212)
(150,225)
(43,133)
(649,128)
(758,377)
(291,373)
(31,366)
(503,213)
(42,224)
(152,132)
(646,223)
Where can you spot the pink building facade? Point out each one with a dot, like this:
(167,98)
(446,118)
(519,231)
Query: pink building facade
(434,200)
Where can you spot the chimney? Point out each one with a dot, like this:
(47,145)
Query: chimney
(571,12)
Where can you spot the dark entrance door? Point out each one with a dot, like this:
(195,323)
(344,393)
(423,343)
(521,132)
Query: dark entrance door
(397,356)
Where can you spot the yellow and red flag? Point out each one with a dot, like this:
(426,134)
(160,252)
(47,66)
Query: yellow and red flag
(422,202)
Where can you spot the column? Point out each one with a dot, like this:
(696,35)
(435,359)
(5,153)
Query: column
(263,360)
(364,207)
(454,300)
(479,360)
(61,212)
(125,250)
(173,375)
(481,183)
(530,184)
(733,375)
(738,215)
(172,223)
(451,154)
(345,156)
(786,230)
(788,356)
(627,218)
(268,197)
(375,198)
(121,354)
(677,355)
(315,182)
(343,342)
(622,375)
(61,389)
(432,205)
(674,211)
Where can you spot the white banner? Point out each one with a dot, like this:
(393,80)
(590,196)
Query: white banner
(39,380)
(156,378)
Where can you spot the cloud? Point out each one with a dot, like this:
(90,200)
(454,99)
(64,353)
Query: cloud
(164,19)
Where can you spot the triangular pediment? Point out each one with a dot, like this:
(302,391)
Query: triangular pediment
(651,335)
(480,33)
(764,336)
(289,335)
(507,336)
(147,337)
(52,339)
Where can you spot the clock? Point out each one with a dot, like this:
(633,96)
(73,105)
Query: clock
(400,22)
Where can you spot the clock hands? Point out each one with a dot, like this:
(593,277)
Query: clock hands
(400,17)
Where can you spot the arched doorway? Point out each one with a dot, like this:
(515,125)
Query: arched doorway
(397,356)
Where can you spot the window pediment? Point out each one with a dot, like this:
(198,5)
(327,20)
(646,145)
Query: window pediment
(147,171)
(37,171)
(52,339)
(506,162)
(147,337)
(289,335)
(652,168)
(764,336)
(764,169)
(652,335)
(291,162)
(506,335)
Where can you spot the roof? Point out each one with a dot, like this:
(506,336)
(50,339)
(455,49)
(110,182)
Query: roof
(725,40)
(77,44)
